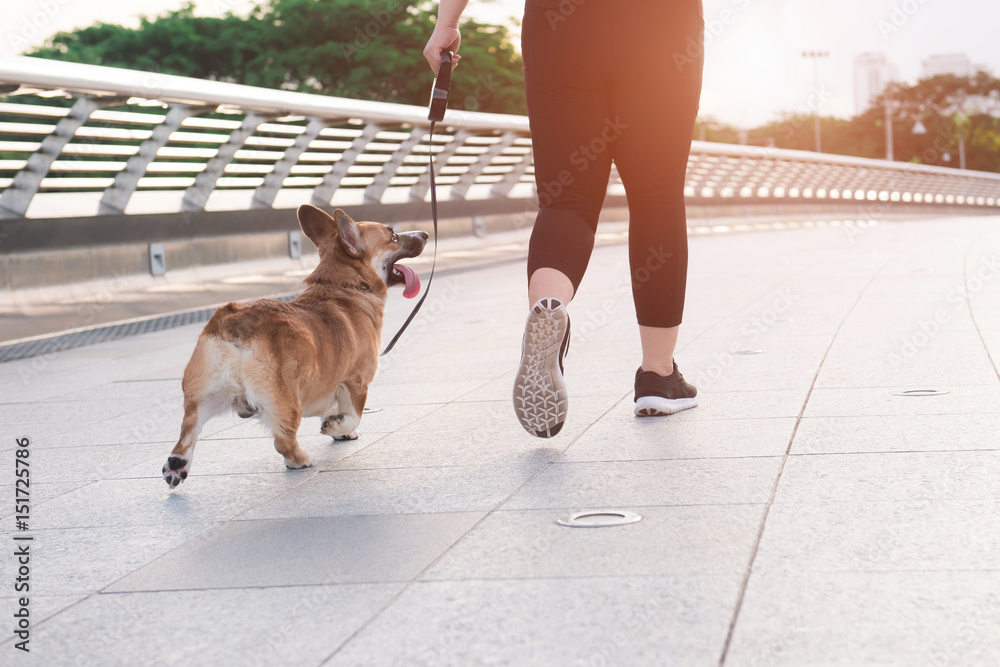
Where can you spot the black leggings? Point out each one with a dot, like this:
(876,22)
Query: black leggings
(614,80)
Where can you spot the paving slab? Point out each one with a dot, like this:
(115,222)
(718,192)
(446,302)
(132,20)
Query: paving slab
(915,535)
(706,539)
(952,475)
(538,622)
(296,625)
(148,502)
(448,447)
(294,552)
(651,439)
(882,400)
(625,484)
(892,433)
(400,491)
(871,618)
(81,561)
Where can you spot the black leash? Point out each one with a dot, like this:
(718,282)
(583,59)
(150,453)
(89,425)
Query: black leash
(438,105)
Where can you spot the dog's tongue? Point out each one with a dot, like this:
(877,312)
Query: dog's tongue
(412,281)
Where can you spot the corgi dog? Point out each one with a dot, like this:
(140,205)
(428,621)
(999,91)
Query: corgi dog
(311,357)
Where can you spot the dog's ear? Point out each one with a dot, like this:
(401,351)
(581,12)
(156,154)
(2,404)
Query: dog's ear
(316,223)
(350,233)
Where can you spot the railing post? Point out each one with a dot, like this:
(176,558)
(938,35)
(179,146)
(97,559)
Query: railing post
(117,196)
(17,198)
(374,192)
(196,196)
(459,189)
(263,196)
(323,192)
(418,191)
(503,187)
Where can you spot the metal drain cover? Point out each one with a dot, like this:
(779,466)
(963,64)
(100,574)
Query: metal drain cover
(599,519)
(748,352)
(921,392)
(368,411)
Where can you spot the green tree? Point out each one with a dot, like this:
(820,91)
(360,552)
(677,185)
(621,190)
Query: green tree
(953,110)
(364,49)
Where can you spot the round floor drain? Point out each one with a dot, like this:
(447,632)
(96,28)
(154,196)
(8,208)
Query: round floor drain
(749,352)
(921,392)
(599,519)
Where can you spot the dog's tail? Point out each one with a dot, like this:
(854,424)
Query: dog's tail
(217,376)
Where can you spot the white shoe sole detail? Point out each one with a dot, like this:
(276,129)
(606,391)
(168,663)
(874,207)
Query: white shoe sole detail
(655,406)
(540,398)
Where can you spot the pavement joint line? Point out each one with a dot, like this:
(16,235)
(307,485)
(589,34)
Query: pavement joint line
(448,550)
(781,467)
(897,451)
(679,458)
(968,304)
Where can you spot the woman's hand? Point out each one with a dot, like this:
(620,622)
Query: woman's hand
(444,38)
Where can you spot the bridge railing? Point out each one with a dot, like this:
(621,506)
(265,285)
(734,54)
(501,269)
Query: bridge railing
(81,141)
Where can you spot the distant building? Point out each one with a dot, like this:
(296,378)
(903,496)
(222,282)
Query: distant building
(872,73)
(948,63)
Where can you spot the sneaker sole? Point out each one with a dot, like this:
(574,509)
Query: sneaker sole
(656,406)
(540,399)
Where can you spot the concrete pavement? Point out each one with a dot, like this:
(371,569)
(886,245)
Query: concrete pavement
(805,513)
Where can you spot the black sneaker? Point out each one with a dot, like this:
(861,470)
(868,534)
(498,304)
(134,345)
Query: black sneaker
(540,399)
(657,395)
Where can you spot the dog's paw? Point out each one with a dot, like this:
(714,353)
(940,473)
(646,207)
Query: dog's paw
(353,435)
(175,471)
(332,425)
(293,465)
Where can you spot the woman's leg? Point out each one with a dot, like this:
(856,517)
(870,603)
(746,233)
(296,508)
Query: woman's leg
(546,282)
(568,91)
(568,94)
(658,344)
(657,90)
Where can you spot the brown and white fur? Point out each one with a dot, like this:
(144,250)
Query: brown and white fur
(312,357)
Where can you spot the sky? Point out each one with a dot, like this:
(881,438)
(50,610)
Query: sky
(754,68)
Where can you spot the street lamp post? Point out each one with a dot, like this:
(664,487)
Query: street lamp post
(815,57)
(889,152)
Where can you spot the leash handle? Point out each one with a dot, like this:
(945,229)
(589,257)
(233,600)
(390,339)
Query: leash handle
(439,93)
(438,105)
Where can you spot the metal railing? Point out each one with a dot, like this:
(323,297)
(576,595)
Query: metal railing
(80,140)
